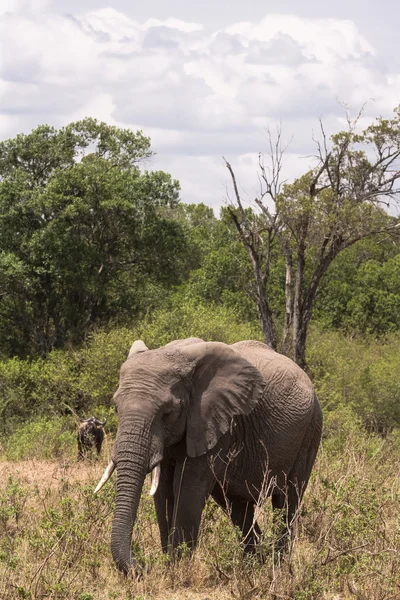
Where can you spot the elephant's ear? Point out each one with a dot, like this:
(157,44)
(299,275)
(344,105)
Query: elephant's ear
(137,347)
(224,384)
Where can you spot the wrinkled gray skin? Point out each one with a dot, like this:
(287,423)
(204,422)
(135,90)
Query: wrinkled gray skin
(227,421)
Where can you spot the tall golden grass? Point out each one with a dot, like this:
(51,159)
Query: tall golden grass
(55,534)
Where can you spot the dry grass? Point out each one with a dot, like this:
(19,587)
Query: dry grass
(54,536)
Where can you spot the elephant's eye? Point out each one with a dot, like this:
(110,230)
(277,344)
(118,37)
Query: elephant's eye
(166,414)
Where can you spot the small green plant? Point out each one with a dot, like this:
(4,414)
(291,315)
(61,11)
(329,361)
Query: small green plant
(23,593)
(12,503)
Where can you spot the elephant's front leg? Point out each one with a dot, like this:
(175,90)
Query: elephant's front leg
(193,482)
(164,503)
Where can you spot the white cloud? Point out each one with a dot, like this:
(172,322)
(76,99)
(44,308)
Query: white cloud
(174,24)
(22,5)
(198,93)
(326,39)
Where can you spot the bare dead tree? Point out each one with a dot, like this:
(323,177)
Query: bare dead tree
(259,251)
(336,204)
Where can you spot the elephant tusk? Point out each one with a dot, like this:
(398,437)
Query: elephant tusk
(106,476)
(155,479)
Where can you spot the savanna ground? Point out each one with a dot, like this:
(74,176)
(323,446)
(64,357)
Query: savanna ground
(55,534)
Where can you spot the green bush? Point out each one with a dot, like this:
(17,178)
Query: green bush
(38,388)
(41,439)
(361,374)
(358,376)
(187,317)
(100,360)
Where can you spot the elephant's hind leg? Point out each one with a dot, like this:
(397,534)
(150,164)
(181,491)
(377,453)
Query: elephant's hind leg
(242,516)
(284,506)
(286,501)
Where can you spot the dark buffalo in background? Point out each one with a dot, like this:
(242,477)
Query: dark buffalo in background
(90,435)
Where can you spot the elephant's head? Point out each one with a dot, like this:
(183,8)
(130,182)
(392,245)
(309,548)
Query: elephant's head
(186,392)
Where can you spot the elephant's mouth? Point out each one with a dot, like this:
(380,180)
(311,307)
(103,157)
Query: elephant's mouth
(155,476)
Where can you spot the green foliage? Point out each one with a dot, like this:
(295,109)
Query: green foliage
(375,305)
(220,270)
(188,317)
(100,360)
(361,291)
(361,374)
(85,380)
(41,387)
(42,438)
(85,234)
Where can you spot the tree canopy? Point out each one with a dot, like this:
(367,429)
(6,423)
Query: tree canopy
(90,239)
(85,236)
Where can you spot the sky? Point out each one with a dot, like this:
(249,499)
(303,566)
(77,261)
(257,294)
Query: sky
(203,79)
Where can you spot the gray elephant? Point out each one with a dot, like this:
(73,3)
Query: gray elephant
(234,422)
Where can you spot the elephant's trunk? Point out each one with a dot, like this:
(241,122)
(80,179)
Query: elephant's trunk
(133,452)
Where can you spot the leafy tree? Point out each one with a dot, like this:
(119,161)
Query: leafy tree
(85,233)
(375,305)
(361,289)
(219,273)
(330,208)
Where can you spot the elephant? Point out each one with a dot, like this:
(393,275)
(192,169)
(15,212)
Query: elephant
(235,422)
(90,435)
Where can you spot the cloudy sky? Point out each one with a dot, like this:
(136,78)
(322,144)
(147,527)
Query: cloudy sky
(202,79)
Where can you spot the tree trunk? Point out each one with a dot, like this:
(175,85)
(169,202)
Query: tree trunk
(263,309)
(303,308)
(299,346)
(298,333)
(288,298)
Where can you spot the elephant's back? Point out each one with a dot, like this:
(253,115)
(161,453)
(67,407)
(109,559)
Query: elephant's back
(277,369)
(181,344)
(289,397)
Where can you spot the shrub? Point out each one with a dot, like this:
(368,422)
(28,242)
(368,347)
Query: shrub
(361,374)
(85,380)
(42,438)
(186,317)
